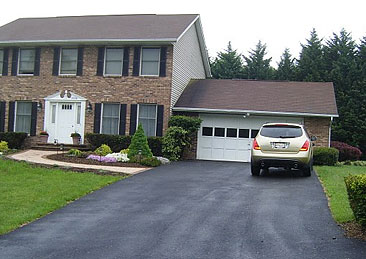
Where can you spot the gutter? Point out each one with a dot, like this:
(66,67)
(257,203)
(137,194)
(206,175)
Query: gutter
(233,111)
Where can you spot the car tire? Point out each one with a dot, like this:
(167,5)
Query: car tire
(306,171)
(255,170)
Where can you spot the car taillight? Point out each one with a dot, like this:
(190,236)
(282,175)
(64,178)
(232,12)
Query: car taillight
(305,147)
(255,145)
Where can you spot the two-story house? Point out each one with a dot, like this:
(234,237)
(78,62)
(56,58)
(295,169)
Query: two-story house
(102,74)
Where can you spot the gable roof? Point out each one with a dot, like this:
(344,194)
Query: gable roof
(149,28)
(259,97)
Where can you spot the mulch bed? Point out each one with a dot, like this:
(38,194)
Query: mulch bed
(82,160)
(353,230)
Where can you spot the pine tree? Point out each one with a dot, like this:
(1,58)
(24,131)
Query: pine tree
(228,64)
(310,66)
(286,67)
(361,58)
(257,67)
(139,144)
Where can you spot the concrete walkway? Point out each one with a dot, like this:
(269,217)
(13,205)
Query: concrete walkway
(39,157)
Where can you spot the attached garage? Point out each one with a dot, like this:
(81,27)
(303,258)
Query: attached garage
(232,112)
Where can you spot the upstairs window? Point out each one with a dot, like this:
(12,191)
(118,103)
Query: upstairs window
(150,60)
(113,64)
(26,61)
(1,61)
(68,61)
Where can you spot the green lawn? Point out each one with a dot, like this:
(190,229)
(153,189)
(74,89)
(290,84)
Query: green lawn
(332,178)
(28,192)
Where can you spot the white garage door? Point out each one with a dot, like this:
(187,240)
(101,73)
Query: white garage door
(229,137)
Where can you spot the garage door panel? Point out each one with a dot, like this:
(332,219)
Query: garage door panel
(205,153)
(218,143)
(230,154)
(218,153)
(231,143)
(206,142)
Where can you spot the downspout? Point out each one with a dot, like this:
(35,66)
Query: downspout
(330,130)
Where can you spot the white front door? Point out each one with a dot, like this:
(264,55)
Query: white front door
(229,137)
(66,122)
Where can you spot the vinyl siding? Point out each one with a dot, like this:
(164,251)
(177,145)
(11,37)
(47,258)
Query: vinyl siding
(187,63)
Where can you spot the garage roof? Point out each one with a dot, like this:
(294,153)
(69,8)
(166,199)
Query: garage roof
(260,97)
(98,27)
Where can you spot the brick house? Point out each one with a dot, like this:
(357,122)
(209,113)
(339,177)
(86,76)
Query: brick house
(107,74)
(102,74)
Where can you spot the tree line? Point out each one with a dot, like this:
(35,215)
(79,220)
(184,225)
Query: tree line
(338,59)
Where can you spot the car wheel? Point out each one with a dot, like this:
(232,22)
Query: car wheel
(255,170)
(308,169)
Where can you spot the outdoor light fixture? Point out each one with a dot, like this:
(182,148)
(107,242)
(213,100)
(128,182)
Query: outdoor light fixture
(39,106)
(89,107)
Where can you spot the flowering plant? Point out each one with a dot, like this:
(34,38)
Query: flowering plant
(120,157)
(102,158)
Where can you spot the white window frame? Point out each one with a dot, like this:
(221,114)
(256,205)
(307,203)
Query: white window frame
(15,117)
(101,118)
(18,66)
(60,62)
(151,47)
(156,116)
(105,59)
(2,62)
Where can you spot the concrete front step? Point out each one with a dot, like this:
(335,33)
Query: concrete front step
(58,147)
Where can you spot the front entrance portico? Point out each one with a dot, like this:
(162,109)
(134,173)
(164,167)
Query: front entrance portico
(64,114)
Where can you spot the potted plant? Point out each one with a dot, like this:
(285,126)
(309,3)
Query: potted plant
(43,136)
(75,138)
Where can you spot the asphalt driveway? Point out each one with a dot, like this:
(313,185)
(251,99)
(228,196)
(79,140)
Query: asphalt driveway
(191,210)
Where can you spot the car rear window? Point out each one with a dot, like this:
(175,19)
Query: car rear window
(281,131)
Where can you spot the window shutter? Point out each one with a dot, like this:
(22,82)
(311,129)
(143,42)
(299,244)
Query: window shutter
(11,116)
(33,128)
(97,117)
(126,61)
(162,70)
(136,61)
(5,62)
(79,70)
(56,61)
(100,64)
(160,121)
(122,119)
(133,119)
(37,62)
(14,62)
(2,116)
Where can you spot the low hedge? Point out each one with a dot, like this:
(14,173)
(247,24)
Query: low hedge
(119,142)
(325,156)
(346,152)
(356,189)
(15,139)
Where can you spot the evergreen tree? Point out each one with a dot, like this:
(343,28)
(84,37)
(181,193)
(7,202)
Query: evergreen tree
(257,67)
(286,67)
(227,64)
(361,58)
(139,144)
(310,66)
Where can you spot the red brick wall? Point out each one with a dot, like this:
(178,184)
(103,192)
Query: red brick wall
(127,89)
(318,127)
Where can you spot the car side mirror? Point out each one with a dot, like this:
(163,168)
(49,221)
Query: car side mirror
(313,138)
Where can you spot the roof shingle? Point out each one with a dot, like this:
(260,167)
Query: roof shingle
(260,96)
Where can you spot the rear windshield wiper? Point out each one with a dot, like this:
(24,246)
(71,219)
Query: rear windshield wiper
(287,136)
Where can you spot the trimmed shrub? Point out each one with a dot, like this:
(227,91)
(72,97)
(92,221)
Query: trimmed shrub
(103,150)
(174,142)
(15,139)
(150,161)
(74,152)
(115,142)
(356,189)
(189,124)
(120,142)
(4,146)
(346,152)
(156,145)
(139,144)
(325,156)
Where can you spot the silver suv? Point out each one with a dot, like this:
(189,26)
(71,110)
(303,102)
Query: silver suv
(283,145)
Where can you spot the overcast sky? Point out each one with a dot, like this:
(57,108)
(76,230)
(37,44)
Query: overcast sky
(278,23)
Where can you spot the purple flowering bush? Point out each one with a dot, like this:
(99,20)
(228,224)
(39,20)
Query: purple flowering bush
(102,158)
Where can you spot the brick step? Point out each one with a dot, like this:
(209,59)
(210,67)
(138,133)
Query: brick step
(65,147)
